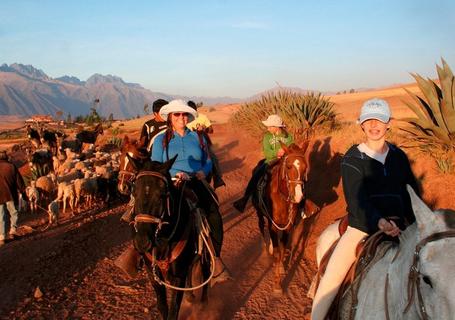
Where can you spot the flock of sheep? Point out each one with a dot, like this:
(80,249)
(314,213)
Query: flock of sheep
(76,179)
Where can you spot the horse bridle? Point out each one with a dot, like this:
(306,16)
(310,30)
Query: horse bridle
(126,176)
(284,176)
(414,271)
(147,217)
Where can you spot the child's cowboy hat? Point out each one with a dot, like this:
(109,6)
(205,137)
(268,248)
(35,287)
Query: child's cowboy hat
(274,120)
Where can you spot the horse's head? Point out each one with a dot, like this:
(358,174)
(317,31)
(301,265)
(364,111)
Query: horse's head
(130,150)
(434,260)
(293,172)
(99,128)
(152,198)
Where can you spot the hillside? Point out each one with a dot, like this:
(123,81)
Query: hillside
(25,90)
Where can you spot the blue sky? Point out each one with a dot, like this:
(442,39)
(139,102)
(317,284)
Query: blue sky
(231,48)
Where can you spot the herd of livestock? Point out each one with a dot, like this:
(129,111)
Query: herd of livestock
(69,172)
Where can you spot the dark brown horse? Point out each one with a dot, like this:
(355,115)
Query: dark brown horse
(34,136)
(89,136)
(166,236)
(280,202)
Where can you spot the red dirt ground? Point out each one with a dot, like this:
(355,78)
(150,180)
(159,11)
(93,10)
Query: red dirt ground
(72,263)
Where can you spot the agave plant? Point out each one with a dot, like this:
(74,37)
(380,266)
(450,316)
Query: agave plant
(435,111)
(300,112)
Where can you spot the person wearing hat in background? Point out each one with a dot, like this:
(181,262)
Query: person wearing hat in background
(11,184)
(154,126)
(276,133)
(193,164)
(374,175)
(203,127)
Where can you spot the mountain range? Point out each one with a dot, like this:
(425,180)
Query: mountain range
(26,90)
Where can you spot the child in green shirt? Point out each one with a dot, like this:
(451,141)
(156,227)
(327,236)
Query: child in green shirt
(272,150)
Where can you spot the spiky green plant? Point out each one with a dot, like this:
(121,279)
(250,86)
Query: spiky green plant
(445,165)
(435,111)
(300,112)
(115,141)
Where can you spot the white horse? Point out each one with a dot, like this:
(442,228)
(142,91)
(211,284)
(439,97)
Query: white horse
(414,279)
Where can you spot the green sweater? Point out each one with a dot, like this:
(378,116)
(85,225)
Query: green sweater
(271,144)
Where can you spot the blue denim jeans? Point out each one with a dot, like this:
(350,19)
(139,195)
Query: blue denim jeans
(13,218)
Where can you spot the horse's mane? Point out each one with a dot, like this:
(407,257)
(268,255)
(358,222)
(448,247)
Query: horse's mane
(293,148)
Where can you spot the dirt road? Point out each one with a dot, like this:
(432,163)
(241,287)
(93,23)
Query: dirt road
(72,264)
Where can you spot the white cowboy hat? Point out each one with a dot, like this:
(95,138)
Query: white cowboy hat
(274,120)
(177,106)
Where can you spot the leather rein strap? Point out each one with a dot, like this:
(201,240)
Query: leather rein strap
(283,176)
(414,272)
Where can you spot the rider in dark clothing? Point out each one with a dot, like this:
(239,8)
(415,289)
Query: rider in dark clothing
(374,190)
(153,127)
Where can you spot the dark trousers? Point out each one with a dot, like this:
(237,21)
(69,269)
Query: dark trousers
(258,172)
(216,169)
(210,207)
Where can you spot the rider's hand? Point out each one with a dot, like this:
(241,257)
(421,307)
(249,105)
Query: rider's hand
(182,176)
(388,227)
(280,153)
(200,175)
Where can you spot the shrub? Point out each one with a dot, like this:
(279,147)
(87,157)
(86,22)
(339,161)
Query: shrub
(434,126)
(444,165)
(300,112)
(115,141)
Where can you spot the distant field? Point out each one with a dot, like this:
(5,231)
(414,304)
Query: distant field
(11,122)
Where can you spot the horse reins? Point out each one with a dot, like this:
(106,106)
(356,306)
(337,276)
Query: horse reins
(414,275)
(147,218)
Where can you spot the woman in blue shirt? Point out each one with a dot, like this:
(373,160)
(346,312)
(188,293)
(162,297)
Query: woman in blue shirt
(192,164)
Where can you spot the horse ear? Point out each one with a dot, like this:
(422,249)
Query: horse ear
(126,140)
(168,164)
(134,162)
(141,142)
(305,145)
(424,216)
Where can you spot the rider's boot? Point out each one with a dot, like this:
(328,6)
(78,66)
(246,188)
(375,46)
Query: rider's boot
(129,262)
(240,204)
(221,273)
(218,182)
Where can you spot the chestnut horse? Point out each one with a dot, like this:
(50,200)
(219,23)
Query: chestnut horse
(279,204)
(131,149)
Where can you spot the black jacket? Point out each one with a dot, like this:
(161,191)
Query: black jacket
(374,190)
(150,130)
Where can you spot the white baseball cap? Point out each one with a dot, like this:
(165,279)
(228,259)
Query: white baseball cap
(375,109)
(273,120)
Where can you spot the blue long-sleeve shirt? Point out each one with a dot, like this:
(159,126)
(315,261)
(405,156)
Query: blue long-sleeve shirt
(191,158)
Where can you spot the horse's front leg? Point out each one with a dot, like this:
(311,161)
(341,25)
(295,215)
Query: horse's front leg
(176,299)
(275,237)
(161,299)
(160,291)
